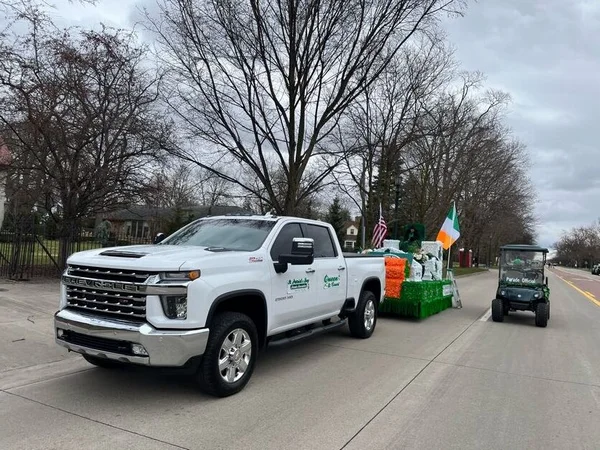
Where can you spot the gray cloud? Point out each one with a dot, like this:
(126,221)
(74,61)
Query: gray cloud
(545,53)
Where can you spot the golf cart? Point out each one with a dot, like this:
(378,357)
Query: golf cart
(521,283)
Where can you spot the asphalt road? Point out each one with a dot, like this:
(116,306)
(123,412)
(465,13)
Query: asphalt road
(452,381)
(583,281)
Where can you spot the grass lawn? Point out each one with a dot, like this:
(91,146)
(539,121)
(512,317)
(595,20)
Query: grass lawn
(41,253)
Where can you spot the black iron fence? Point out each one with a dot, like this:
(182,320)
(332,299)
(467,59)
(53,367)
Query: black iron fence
(34,251)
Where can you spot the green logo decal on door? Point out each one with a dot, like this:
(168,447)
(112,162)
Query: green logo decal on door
(298,285)
(331,282)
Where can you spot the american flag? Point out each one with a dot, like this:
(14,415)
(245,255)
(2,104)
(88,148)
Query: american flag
(380,231)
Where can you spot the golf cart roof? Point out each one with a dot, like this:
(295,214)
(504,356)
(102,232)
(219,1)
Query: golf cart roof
(524,248)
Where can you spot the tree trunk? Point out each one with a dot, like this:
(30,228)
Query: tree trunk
(67,239)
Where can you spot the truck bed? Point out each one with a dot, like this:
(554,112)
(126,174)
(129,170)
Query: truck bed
(360,255)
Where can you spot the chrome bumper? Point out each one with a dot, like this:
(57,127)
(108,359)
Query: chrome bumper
(172,348)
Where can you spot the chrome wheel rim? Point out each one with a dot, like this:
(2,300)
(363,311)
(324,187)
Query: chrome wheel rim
(235,354)
(369,315)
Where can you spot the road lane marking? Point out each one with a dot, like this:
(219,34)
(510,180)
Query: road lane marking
(486,316)
(585,294)
(589,293)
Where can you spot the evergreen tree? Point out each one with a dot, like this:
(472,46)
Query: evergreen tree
(337,216)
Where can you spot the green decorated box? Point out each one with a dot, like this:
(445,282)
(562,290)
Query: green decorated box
(420,299)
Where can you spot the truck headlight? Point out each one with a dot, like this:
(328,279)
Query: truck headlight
(174,306)
(189,275)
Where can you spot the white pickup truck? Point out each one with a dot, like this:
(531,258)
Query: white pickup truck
(214,293)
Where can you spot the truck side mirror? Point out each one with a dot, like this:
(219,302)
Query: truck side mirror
(302,254)
(159,238)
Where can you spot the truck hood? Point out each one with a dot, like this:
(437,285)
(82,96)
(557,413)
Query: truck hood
(154,258)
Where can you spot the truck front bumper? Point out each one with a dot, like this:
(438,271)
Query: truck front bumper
(128,342)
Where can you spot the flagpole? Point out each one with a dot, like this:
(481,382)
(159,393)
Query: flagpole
(450,248)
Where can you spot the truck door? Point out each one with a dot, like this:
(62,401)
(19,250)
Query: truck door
(293,291)
(330,269)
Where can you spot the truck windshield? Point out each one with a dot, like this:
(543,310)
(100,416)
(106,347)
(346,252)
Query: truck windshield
(227,234)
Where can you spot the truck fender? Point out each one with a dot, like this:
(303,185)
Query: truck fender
(372,284)
(236,300)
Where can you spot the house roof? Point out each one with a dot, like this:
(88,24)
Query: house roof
(149,212)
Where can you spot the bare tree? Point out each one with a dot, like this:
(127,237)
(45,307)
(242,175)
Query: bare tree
(579,246)
(375,131)
(263,83)
(471,158)
(79,110)
(453,139)
(176,184)
(449,144)
(171,187)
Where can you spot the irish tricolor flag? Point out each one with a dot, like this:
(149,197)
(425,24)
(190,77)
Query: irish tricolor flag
(450,231)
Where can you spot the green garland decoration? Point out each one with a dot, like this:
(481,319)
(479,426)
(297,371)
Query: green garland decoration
(418,299)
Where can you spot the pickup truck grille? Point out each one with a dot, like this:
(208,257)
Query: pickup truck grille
(129,276)
(107,303)
(106,300)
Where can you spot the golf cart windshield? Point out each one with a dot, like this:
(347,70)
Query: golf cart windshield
(522,267)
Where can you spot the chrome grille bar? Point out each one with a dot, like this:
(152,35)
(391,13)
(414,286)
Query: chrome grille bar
(108,274)
(76,300)
(107,292)
(108,312)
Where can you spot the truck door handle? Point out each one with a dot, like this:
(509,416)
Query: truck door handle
(341,268)
(310,270)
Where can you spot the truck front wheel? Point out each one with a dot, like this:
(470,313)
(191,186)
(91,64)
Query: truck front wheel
(230,355)
(363,320)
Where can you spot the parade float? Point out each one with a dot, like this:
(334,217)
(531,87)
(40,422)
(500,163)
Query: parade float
(414,283)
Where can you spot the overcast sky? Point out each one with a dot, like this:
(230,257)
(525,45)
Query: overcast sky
(545,54)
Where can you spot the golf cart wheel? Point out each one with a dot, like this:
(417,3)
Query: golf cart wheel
(541,315)
(497,310)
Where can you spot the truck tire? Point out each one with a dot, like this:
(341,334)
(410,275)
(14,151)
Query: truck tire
(497,310)
(102,362)
(363,320)
(230,355)
(541,315)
